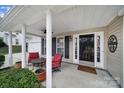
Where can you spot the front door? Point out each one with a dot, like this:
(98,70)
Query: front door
(88,49)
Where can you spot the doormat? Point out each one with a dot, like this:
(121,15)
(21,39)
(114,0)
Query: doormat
(87,69)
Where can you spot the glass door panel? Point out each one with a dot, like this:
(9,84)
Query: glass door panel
(76,49)
(99,49)
(86,46)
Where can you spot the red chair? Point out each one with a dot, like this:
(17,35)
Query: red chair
(56,61)
(32,55)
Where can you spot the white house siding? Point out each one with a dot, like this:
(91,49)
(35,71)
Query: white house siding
(115,60)
(5,38)
(14,41)
(19,37)
(34,44)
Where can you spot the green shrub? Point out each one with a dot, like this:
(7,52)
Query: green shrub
(2,44)
(18,78)
(2,59)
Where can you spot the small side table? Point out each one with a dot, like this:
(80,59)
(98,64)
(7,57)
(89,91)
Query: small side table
(37,63)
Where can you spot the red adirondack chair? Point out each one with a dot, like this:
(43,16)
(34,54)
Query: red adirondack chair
(32,55)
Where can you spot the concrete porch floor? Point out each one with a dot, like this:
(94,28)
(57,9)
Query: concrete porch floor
(70,77)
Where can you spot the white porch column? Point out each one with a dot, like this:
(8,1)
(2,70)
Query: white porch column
(48,50)
(23,46)
(10,49)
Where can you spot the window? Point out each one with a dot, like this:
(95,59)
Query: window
(43,46)
(26,47)
(17,41)
(66,46)
(60,45)
(53,46)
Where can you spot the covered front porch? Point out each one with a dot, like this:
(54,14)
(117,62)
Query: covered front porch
(69,24)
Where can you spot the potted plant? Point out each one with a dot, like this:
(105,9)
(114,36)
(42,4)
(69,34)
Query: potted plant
(40,74)
(18,65)
(2,59)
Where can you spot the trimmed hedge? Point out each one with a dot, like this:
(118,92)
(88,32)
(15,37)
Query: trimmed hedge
(18,78)
(2,59)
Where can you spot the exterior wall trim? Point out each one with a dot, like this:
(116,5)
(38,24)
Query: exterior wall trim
(83,31)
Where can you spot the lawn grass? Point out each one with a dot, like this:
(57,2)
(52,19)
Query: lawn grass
(4,50)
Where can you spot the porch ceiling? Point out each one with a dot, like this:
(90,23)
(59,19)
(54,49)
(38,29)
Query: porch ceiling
(65,18)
